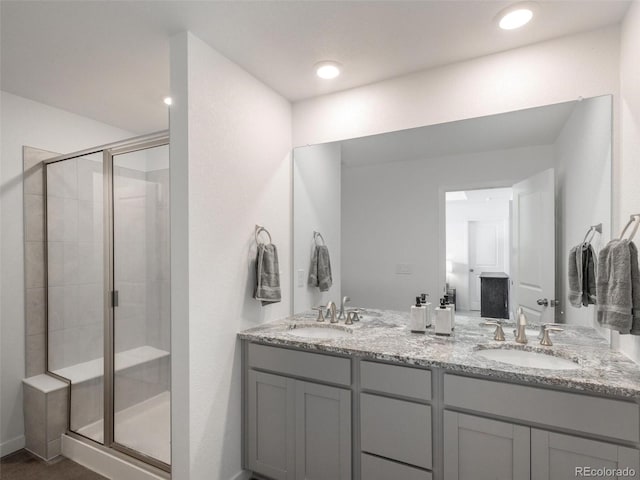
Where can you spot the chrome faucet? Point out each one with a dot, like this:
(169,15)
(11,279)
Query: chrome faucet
(521,325)
(331,310)
(345,299)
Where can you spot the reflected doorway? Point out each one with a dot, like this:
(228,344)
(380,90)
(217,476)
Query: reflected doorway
(478,240)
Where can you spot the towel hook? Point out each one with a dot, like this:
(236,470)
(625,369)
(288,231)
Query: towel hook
(258,230)
(635,217)
(592,230)
(315,238)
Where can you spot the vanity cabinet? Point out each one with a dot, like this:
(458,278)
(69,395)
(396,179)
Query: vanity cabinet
(330,417)
(480,448)
(296,429)
(555,456)
(477,448)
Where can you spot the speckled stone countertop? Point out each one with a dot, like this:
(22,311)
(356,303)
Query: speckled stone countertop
(384,335)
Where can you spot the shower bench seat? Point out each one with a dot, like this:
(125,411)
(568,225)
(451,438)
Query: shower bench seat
(141,373)
(82,372)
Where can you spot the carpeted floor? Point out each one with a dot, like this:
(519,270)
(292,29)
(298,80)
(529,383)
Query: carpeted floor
(24,466)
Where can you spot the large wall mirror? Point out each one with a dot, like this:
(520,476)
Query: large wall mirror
(430,209)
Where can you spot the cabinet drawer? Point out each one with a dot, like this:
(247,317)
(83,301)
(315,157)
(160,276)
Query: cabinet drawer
(376,468)
(396,429)
(323,368)
(573,411)
(396,380)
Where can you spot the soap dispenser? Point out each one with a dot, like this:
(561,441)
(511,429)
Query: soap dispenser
(418,319)
(429,308)
(444,319)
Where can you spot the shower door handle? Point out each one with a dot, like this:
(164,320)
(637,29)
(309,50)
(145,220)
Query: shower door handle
(114,298)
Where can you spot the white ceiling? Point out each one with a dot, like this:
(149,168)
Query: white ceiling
(110,60)
(533,126)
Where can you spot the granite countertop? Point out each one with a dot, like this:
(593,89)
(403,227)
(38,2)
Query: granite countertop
(384,335)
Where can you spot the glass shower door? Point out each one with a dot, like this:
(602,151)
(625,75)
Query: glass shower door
(75,286)
(141,314)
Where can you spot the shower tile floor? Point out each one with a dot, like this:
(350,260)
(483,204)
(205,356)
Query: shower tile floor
(144,427)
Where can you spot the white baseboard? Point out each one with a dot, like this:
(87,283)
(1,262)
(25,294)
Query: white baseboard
(11,446)
(243,475)
(100,461)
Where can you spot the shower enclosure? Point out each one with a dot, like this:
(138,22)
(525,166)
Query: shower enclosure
(108,312)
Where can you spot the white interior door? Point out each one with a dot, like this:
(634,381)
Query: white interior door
(486,254)
(534,246)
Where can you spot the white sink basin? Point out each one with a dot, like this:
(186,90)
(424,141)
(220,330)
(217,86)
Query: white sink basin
(523,358)
(318,332)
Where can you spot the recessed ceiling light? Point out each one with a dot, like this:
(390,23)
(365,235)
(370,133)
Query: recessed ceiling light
(516,16)
(327,69)
(167,100)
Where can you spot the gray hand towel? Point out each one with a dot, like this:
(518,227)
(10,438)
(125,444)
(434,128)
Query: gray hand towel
(575,278)
(320,269)
(267,275)
(614,290)
(635,289)
(588,275)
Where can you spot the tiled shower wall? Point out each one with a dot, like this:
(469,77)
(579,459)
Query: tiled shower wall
(76,253)
(158,258)
(141,260)
(130,254)
(75,223)
(33,192)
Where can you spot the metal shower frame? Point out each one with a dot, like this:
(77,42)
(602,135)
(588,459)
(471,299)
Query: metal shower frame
(108,151)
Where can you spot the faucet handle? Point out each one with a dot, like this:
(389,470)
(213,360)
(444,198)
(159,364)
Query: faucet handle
(499,333)
(545,329)
(320,310)
(352,316)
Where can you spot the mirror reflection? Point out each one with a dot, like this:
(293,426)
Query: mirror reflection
(444,209)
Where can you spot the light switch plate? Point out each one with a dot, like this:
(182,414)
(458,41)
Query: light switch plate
(300,277)
(404,269)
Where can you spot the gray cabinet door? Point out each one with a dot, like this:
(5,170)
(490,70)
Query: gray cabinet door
(323,432)
(562,457)
(477,448)
(271,425)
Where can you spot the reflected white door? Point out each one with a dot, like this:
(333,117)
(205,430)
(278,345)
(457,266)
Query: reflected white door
(534,246)
(486,254)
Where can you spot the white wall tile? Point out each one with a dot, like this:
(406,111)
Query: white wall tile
(56,310)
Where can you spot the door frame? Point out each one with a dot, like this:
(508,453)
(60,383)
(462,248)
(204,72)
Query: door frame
(442,217)
(108,151)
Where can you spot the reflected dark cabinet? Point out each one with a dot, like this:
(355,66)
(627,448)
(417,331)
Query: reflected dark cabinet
(494,295)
